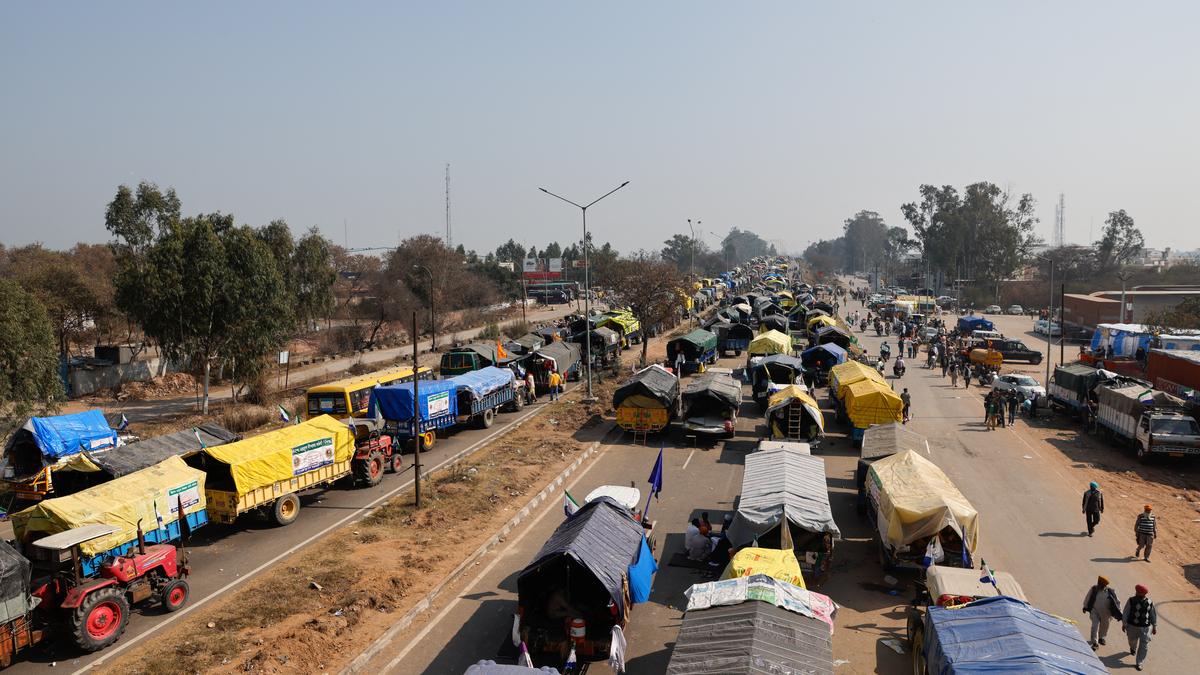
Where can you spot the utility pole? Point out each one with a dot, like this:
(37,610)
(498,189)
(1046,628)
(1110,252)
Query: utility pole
(416,416)
(1123,276)
(449,239)
(692,267)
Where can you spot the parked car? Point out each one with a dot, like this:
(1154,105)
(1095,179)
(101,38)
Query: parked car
(1042,325)
(1016,310)
(1022,384)
(992,309)
(1015,350)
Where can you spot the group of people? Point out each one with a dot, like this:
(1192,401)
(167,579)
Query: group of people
(996,403)
(1138,618)
(705,545)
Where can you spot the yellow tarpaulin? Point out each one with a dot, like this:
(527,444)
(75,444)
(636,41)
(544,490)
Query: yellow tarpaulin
(869,402)
(770,342)
(781,565)
(791,393)
(120,503)
(916,500)
(820,321)
(845,374)
(281,454)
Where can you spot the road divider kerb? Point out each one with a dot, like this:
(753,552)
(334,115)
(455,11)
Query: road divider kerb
(363,660)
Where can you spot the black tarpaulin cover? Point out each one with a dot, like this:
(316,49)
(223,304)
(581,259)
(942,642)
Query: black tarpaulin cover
(564,354)
(602,537)
(750,638)
(654,382)
(14,583)
(719,386)
(137,456)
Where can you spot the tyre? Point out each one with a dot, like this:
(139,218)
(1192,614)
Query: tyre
(917,649)
(737,352)
(369,470)
(175,595)
(100,620)
(1142,455)
(1037,359)
(427,440)
(395,463)
(486,419)
(286,510)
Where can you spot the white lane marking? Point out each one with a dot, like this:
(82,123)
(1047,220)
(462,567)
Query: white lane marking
(693,452)
(254,572)
(437,618)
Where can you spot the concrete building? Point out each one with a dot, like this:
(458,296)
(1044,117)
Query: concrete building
(1088,311)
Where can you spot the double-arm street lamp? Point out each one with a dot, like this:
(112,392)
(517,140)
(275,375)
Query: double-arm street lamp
(587,285)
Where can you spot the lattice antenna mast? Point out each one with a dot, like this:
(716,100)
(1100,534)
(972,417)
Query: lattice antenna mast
(1060,221)
(449,239)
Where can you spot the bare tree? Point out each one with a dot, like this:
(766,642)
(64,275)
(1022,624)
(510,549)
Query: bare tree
(653,291)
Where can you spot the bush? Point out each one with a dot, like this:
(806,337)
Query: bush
(242,418)
(341,339)
(490,332)
(515,329)
(259,390)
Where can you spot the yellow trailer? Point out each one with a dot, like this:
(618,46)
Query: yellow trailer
(267,472)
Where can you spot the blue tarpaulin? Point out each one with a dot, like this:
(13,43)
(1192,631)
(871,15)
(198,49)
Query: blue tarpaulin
(483,381)
(1003,634)
(641,574)
(395,401)
(967,324)
(64,435)
(823,356)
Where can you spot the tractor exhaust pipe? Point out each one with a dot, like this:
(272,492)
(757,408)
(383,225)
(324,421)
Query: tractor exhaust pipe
(141,538)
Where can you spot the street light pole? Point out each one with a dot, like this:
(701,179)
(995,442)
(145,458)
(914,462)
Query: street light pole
(432,323)
(587,283)
(1049,318)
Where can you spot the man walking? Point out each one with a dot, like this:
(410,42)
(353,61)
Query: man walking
(1093,506)
(555,383)
(1146,530)
(906,399)
(1102,605)
(953,376)
(966,372)
(1141,621)
(1013,402)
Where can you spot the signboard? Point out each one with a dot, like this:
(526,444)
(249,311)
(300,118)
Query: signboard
(438,404)
(535,276)
(312,455)
(555,265)
(187,494)
(283,357)
(530,265)
(577,264)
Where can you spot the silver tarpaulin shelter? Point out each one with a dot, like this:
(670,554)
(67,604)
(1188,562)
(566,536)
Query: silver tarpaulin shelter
(777,485)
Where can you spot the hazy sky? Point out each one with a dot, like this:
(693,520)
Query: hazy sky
(783,118)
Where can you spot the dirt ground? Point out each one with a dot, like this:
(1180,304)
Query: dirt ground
(321,607)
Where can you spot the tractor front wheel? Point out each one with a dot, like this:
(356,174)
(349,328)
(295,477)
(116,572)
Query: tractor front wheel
(100,620)
(175,595)
(395,462)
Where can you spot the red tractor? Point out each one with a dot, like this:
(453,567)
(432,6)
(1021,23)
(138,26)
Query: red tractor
(374,453)
(95,610)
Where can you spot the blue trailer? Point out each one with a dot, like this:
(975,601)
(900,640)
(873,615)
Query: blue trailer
(470,397)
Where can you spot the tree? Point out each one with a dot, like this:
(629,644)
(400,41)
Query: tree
(29,381)
(277,237)
(511,251)
(827,255)
(866,235)
(1120,241)
(1184,316)
(312,277)
(651,289)
(684,252)
(741,245)
(61,285)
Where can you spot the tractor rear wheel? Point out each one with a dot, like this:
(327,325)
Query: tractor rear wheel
(286,510)
(100,619)
(369,470)
(175,595)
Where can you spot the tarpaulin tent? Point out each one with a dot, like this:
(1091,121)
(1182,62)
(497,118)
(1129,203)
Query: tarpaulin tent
(42,441)
(785,486)
(958,582)
(527,343)
(1003,634)
(772,373)
(774,322)
(834,335)
(770,342)
(845,374)
(885,440)
(779,564)
(122,503)
(967,324)
(564,356)
(720,387)
(917,499)
(753,626)
(14,584)
(696,345)
(798,410)
(823,357)
(483,381)
(394,402)
(1078,378)
(1133,399)
(100,467)
(487,667)
(282,454)
(870,402)
(651,387)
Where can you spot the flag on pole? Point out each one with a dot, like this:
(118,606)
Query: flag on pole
(157,516)
(196,430)
(124,423)
(656,475)
(571,660)
(524,659)
(570,506)
(989,575)
(283,414)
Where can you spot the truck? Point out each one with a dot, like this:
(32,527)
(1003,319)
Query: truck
(44,445)
(1071,386)
(1154,422)
(472,397)
(266,473)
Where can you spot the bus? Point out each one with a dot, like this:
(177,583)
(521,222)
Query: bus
(553,292)
(350,397)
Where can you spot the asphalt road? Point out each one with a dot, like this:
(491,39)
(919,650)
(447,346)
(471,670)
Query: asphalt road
(222,557)
(1026,491)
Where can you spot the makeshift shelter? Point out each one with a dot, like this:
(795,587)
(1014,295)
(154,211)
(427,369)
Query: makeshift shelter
(699,347)
(122,503)
(15,601)
(732,336)
(823,357)
(711,402)
(473,356)
(754,626)
(779,564)
(970,324)
(1003,634)
(45,441)
(1134,399)
(648,400)
(772,373)
(93,469)
(956,585)
(584,570)
(606,344)
(527,343)
(914,500)
(885,440)
(1072,383)
(488,667)
(394,402)
(770,342)
(869,402)
(562,357)
(845,374)
(785,486)
(792,413)
(835,335)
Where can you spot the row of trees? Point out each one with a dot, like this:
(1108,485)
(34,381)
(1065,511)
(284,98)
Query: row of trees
(688,253)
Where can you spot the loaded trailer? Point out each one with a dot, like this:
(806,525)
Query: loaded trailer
(470,398)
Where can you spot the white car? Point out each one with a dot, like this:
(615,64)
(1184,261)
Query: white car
(1022,384)
(1016,310)
(992,309)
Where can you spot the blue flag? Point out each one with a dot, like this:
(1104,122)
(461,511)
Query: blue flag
(656,475)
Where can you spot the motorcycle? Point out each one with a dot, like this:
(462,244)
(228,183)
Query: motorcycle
(862,326)
(898,368)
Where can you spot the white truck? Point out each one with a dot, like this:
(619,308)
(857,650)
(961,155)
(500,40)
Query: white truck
(1156,423)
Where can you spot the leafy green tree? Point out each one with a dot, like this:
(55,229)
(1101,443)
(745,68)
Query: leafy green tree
(1184,316)
(511,251)
(866,236)
(682,251)
(1120,241)
(741,245)
(29,381)
(61,285)
(312,277)
(278,238)
(827,255)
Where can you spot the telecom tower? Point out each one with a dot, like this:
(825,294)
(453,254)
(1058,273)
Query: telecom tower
(1060,221)
(449,239)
